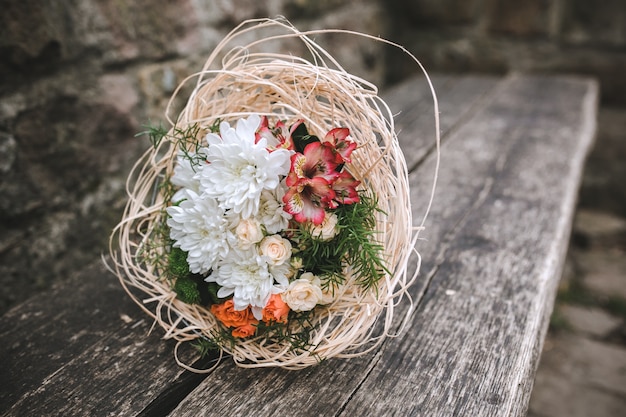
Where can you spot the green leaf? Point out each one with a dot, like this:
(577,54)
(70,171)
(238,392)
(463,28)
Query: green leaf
(301,138)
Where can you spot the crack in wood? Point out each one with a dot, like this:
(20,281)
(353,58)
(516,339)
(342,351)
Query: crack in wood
(178,390)
(372,364)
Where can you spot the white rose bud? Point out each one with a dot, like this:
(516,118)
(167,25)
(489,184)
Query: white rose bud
(249,232)
(312,278)
(296,262)
(328,229)
(275,249)
(327,294)
(302,295)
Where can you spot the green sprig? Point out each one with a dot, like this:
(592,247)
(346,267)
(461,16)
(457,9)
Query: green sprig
(363,251)
(186,139)
(204,346)
(155,134)
(355,244)
(297,333)
(177,265)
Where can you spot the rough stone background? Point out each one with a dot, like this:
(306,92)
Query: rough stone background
(576,36)
(79,78)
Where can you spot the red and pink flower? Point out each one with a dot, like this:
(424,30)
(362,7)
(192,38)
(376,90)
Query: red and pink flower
(317,180)
(343,146)
(280,136)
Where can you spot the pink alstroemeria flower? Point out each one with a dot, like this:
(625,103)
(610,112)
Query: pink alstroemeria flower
(344,187)
(343,146)
(318,160)
(307,200)
(280,136)
(310,182)
(317,180)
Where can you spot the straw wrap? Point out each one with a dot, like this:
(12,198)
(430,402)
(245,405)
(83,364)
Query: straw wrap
(249,81)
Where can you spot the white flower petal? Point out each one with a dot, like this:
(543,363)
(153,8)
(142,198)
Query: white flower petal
(199,227)
(271,213)
(185,174)
(245,275)
(246,128)
(239,169)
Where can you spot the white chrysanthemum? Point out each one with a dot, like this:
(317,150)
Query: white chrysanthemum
(200,227)
(185,176)
(271,213)
(281,274)
(239,169)
(246,276)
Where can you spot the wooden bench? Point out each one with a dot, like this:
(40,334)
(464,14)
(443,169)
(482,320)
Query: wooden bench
(512,156)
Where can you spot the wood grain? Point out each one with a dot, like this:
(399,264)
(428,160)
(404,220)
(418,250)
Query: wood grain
(412,106)
(512,156)
(81,349)
(474,343)
(501,223)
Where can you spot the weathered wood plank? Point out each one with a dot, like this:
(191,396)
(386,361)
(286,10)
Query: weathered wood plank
(412,104)
(83,349)
(475,341)
(49,330)
(512,159)
(420,366)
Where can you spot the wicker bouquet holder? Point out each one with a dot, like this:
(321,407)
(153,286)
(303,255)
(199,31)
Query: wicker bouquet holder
(238,80)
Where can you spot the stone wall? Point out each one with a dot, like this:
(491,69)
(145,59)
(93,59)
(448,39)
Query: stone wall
(79,78)
(573,36)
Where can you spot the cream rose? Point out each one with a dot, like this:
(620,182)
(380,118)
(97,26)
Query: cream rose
(248,232)
(302,295)
(328,229)
(312,278)
(327,294)
(275,249)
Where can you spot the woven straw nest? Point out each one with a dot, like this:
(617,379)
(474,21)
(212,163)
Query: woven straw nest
(285,87)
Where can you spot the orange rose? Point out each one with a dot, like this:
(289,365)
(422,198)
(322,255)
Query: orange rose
(244,331)
(276,310)
(230,317)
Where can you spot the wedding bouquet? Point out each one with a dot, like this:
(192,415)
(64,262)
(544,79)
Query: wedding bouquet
(272,221)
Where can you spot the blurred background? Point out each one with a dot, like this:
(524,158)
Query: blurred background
(79,78)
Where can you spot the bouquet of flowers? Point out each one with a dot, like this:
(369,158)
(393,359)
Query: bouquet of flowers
(272,220)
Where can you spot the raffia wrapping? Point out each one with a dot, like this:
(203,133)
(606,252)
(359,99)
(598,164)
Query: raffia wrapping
(286,87)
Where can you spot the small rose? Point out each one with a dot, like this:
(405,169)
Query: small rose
(275,249)
(244,331)
(327,230)
(302,294)
(312,278)
(275,310)
(249,232)
(328,295)
(230,317)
